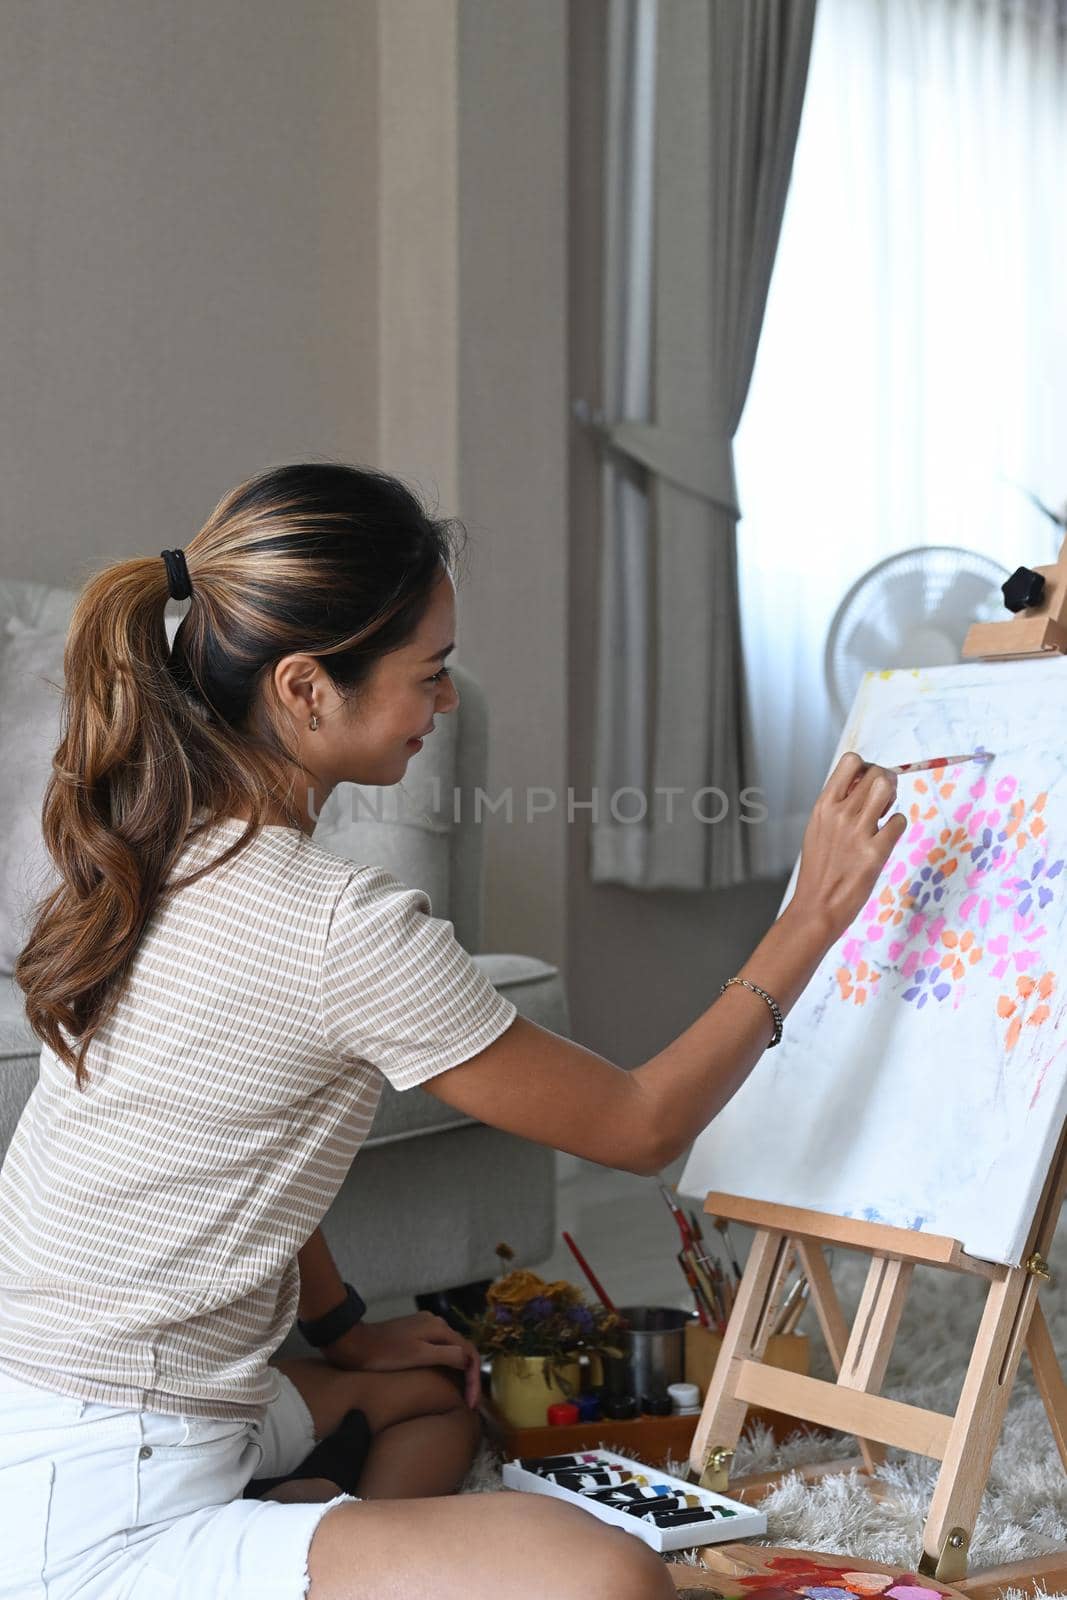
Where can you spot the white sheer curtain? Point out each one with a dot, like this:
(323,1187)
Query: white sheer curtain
(914,349)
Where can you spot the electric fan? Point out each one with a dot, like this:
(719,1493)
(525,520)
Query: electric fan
(911,610)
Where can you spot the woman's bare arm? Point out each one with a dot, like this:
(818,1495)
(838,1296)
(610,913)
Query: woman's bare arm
(534,1083)
(543,1087)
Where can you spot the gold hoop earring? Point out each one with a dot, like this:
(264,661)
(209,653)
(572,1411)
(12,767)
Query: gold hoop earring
(313,724)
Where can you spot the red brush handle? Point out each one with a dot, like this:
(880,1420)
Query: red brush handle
(597,1286)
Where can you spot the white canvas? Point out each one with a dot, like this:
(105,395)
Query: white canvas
(922,1076)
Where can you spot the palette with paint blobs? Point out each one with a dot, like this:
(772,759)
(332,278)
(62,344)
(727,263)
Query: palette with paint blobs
(668,1513)
(747,1572)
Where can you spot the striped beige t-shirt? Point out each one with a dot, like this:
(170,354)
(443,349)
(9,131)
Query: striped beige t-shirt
(149,1223)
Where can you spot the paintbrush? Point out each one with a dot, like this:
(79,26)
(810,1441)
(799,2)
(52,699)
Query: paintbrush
(595,1283)
(796,1292)
(941,761)
(723,1225)
(798,1310)
(704,1312)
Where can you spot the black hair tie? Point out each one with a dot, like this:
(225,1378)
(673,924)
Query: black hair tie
(181,586)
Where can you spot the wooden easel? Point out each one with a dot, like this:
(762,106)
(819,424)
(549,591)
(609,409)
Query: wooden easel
(1012,1318)
(964,1442)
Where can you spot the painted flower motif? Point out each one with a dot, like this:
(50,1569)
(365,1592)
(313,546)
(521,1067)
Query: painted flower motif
(1015,1009)
(990,848)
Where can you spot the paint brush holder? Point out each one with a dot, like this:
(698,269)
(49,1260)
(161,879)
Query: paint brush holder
(790,1351)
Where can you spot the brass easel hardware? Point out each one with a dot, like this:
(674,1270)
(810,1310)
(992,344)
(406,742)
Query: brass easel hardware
(951,1565)
(1037,1264)
(716,1473)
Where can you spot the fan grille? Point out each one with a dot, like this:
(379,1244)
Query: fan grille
(911,610)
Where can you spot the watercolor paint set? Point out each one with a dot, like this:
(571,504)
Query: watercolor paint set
(666,1512)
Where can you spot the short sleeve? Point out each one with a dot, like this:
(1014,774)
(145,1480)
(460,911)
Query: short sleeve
(398,989)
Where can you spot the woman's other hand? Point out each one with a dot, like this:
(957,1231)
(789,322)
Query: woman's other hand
(399,1343)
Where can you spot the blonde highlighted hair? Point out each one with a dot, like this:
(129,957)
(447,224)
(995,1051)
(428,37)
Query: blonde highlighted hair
(329,560)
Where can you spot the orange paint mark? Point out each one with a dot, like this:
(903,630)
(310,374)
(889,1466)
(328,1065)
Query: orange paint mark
(1005,1006)
(1046,985)
(951,938)
(1037,827)
(899,917)
(967,940)
(886,897)
(927,815)
(1025,986)
(947,791)
(861,970)
(1023,840)
(1039,1015)
(884,916)
(945,835)
(913,812)
(1014,1030)
(1039,803)
(949,868)
(935,856)
(958,970)
(920,785)
(861,997)
(974,955)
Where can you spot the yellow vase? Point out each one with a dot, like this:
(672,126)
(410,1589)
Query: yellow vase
(520,1393)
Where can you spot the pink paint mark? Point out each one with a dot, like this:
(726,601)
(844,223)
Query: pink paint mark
(875,932)
(1000,968)
(915,924)
(960,812)
(992,819)
(978,789)
(852,951)
(910,963)
(1004,790)
(871,908)
(968,905)
(937,928)
(1024,959)
(894,949)
(975,822)
(1041,1075)
(983,915)
(999,945)
(897,872)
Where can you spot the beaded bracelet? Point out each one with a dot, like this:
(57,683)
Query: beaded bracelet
(775,1012)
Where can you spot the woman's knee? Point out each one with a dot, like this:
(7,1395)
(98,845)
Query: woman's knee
(598,1558)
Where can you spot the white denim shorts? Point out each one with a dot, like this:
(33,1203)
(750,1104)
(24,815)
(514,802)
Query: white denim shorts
(102,1503)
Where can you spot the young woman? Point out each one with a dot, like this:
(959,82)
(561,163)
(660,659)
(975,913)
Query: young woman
(219,1001)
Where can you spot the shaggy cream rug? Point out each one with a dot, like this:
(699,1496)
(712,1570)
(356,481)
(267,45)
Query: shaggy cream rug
(1024,1509)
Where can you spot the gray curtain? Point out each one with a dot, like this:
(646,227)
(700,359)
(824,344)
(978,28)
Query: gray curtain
(703,108)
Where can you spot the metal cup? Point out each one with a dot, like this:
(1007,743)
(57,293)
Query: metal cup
(654,1351)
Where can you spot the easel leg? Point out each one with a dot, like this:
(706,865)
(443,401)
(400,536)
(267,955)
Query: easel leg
(748,1330)
(1049,1378)
(977,1424)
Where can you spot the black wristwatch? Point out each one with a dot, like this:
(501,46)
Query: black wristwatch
(325,1329)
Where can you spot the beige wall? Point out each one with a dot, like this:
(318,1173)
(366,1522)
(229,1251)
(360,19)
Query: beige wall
(188,271)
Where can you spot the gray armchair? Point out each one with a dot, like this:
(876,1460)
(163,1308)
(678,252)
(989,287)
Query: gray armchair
(431,1192)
